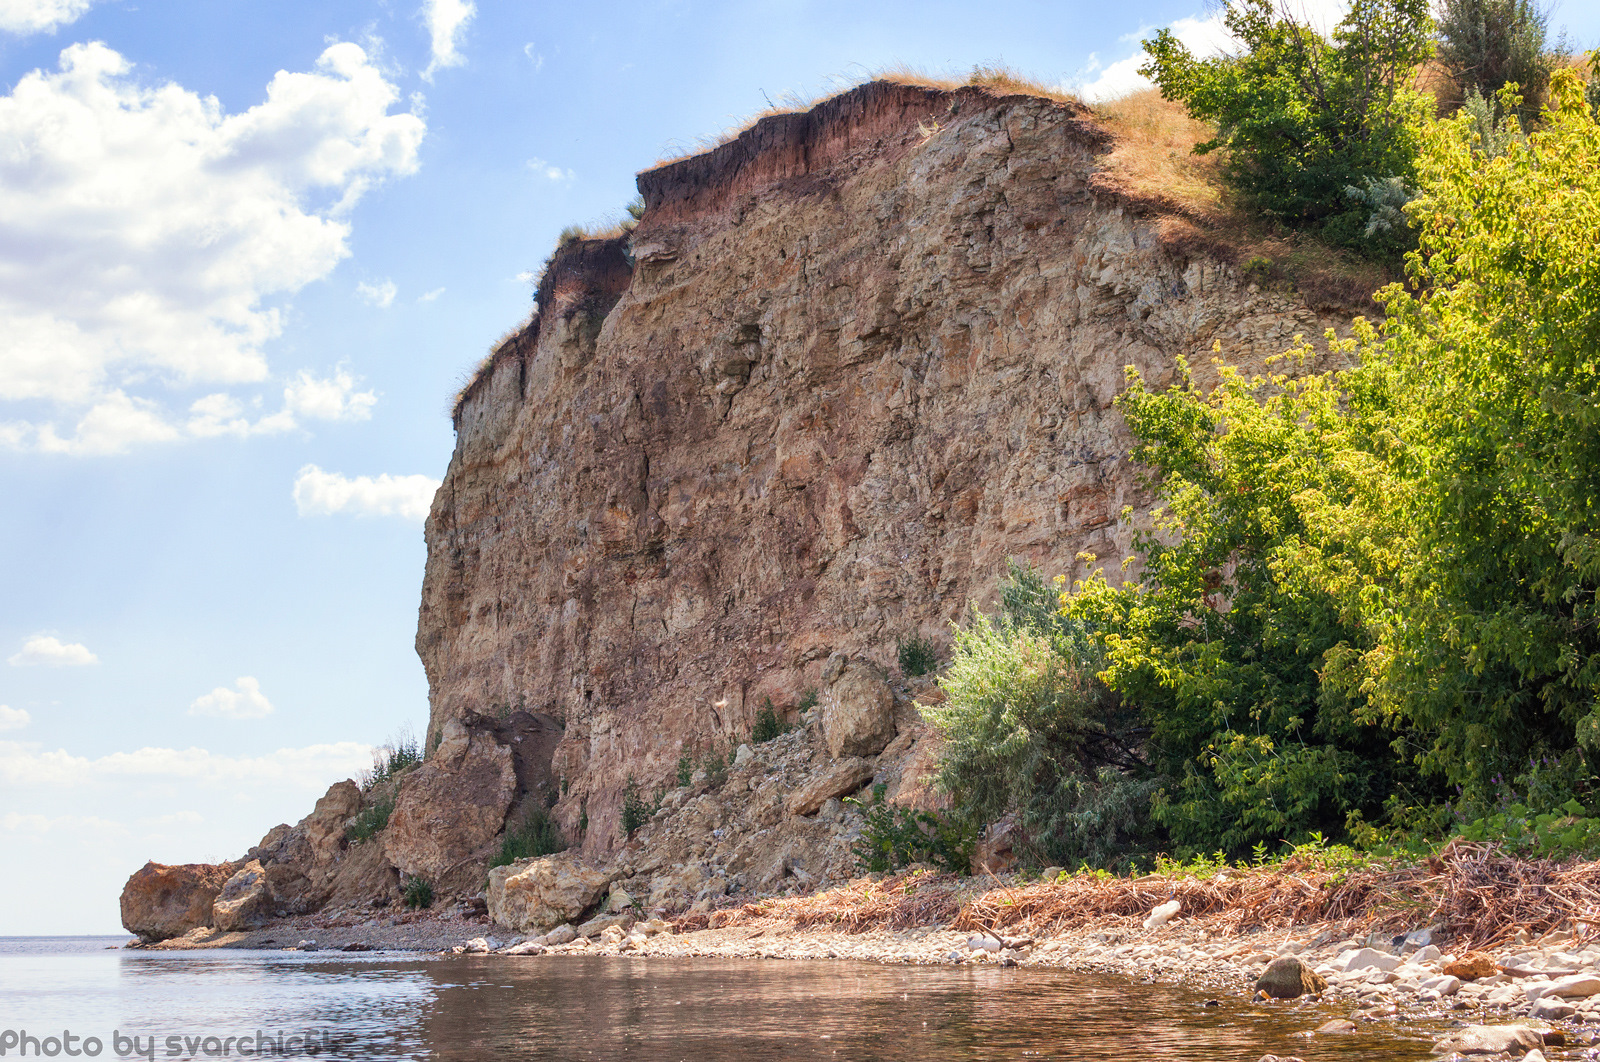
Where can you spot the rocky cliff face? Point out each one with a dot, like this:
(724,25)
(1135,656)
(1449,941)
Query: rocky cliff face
(846,365)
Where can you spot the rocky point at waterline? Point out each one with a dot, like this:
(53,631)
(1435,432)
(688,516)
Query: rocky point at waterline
(846,364)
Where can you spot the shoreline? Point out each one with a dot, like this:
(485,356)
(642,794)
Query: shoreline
(1394,950)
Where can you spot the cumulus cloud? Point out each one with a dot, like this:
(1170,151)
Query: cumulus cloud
(39,16)
(13,718)
(550,171)
(319,493)
(244,701)
(26,763)
(308,397)
(446,20)
(429,296)
(147,238)
(1203,35)
(380,295)
(49,651)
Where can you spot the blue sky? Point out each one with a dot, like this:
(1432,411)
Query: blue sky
(248,251)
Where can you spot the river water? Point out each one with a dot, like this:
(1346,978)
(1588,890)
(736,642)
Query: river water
(186,1005)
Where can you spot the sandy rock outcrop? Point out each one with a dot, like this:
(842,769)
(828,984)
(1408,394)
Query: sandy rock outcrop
(857,708)
(839,778)
(846,365)
(538,894)
(163,901)
(452,808)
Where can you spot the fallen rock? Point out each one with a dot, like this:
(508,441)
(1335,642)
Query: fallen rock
(1578,986)
(162,901)
(1551,1008)
(1162,914)
(1336,1025)
(1289,978)
(1490,1040)
(1471,966)
(245,899)
(839,778)
(1280,1058)
(452,808)
(857,709)
(562,934)
(527,947)
(477,946)
(535,894)
(1365,959)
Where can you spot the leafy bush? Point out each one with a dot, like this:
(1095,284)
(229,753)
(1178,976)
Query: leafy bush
(768,726)
(896,837)
(808,700)
(371,819)
(1566,832)
(1304,117)
(685,769)
(1485,45)
(1027,726)
(417,893)
(392,757)
(636,809)
(534,833)
(917,655)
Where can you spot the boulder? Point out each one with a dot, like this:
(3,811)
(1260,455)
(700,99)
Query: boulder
(1490,1040)
(1288,978)
(255,895)
(365,875)
(839,778)
(536,894)
(1335,1026)
(162,901)
(1577,986)
(452,808)
(1162,914)
(1551,1008)
(562,934)
(1365,959)
(857,709)
(1471,966)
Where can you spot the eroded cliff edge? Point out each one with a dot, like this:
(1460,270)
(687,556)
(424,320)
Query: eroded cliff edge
(846,364)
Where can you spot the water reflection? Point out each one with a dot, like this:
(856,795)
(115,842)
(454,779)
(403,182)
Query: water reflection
(571,1008)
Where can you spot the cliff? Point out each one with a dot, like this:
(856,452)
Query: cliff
(847,363)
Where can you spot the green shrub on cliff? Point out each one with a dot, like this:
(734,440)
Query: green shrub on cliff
(371,819)
(1028,727)
(1304,117)
(1366,586)
(532,833)
(393,756)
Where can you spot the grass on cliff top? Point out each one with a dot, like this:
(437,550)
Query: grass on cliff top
(996,80)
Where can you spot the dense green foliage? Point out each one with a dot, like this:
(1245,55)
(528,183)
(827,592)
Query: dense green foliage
(916,655)
(1367,586)
(532,833)
(1485,45)
(894,837)
(636,808)
(1306,118)
(389,759)
(768,726)
(371,819)
(417,893)
(1027,726)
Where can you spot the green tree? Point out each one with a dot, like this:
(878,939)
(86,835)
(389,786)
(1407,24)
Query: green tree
(1485,45)
(1303,116)
(1494,645)
(1271,543)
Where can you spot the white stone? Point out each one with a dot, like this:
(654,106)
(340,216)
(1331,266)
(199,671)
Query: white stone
(1366,959)
(1162,914)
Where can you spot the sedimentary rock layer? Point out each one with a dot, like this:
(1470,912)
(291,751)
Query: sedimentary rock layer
(846,365)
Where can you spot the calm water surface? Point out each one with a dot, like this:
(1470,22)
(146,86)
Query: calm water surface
(706,1010)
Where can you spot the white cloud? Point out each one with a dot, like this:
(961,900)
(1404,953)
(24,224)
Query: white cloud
(145,234)
(244,701)
(13,718)
(25,763)
(330,398)
(1203,35)
(446,20)
(551,172)
(430,295)
(536,58)
(39,16)
(323,493)
(43,649)
(380,295)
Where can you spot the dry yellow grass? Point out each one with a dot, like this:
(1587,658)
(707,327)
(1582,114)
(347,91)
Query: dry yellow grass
(1154,152)
(1477,894)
